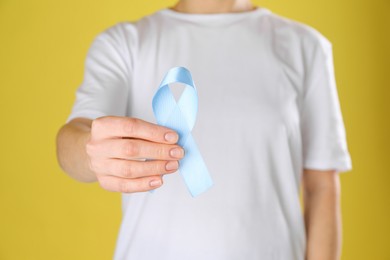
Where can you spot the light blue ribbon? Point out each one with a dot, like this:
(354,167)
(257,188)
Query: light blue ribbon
(181,117)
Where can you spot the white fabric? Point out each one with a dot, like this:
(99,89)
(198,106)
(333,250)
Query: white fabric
(268,108)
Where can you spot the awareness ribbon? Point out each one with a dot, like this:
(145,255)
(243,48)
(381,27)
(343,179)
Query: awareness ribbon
(181,117)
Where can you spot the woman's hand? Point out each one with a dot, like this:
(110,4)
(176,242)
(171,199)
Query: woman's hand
(118,147)
(112,150)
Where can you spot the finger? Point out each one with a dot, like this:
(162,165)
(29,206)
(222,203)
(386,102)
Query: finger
(136,169)
(132,128)
(117,184)
(135,149)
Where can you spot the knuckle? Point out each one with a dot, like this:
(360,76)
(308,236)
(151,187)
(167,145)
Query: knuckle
(130,149)
(161,152)
(98,127)
(90,148)
(97,123)
(159,167)
(129,126)
(127,171)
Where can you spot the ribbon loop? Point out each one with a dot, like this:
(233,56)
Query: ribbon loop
(181,116)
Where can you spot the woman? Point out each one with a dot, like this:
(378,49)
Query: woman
(268,119)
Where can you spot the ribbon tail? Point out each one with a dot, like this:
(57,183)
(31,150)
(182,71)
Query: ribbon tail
(194,170)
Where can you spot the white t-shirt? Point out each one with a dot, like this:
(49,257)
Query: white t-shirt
(268,108)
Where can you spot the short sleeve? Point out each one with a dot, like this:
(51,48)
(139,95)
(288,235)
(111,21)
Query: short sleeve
(322,127)
(105,87)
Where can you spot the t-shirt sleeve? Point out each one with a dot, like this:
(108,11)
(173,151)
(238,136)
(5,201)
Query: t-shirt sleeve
(323,132)
(105,87)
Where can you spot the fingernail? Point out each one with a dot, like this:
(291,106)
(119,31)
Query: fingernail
(172,165)
(177,153)
(155,183)
(171,137)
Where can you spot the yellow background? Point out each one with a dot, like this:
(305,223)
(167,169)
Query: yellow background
(46,215)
